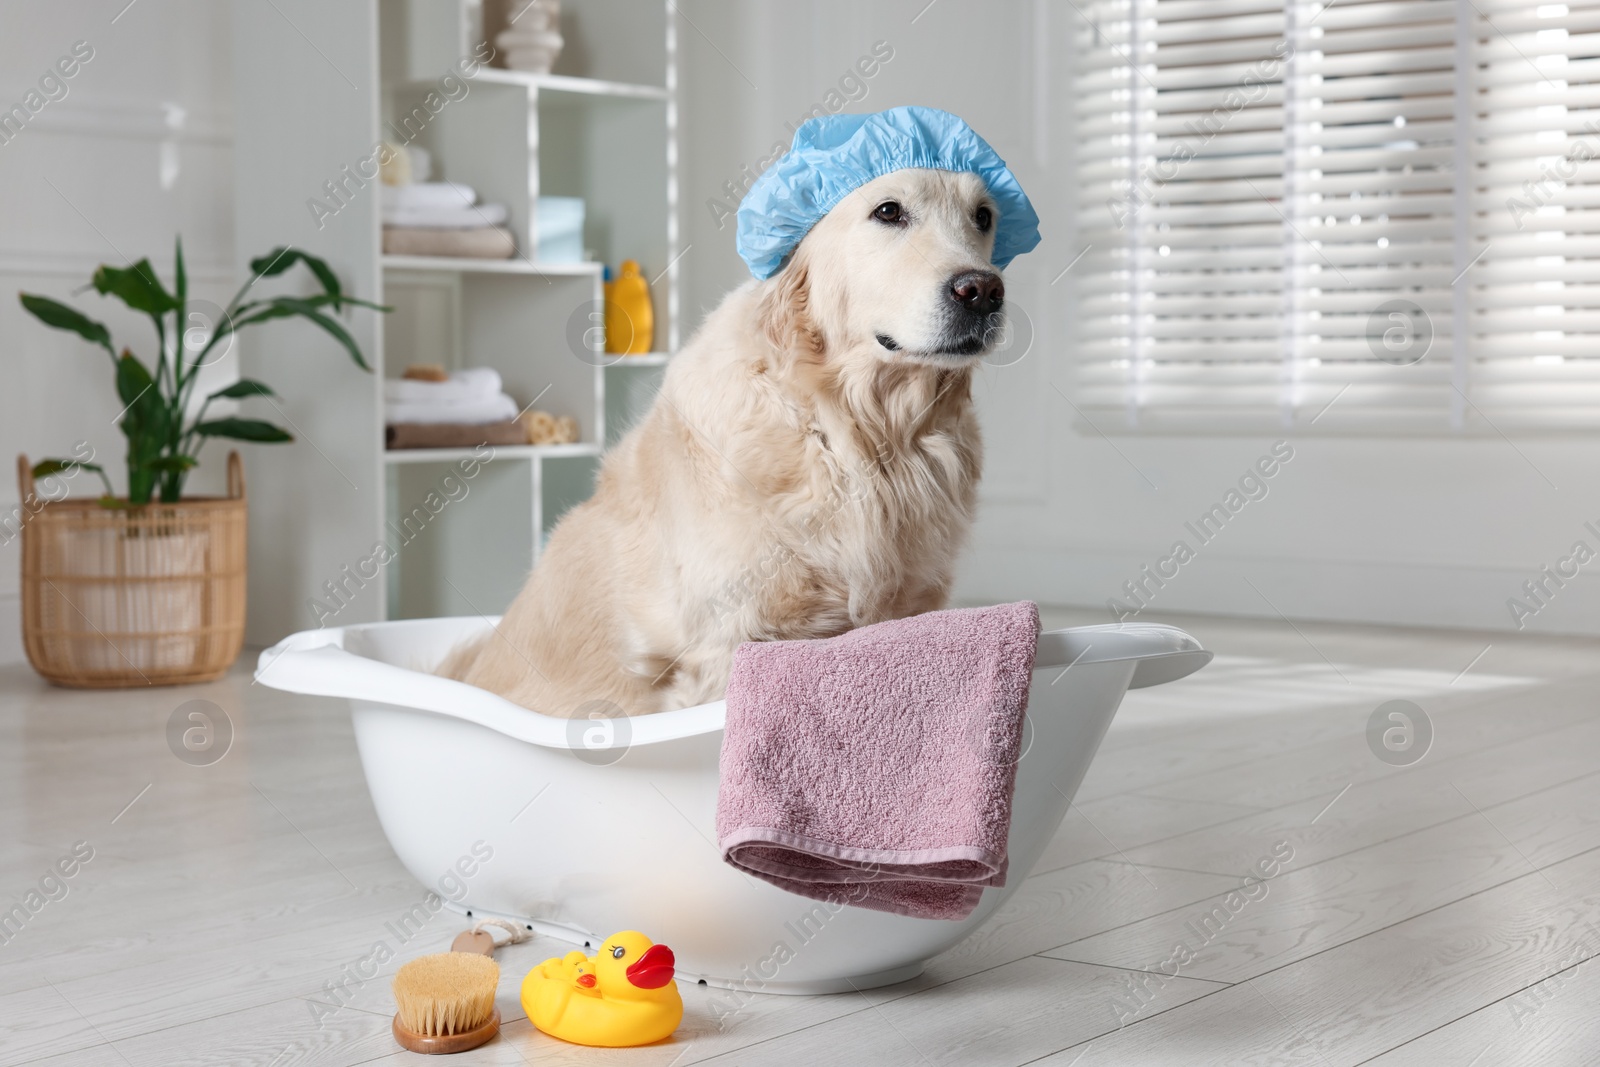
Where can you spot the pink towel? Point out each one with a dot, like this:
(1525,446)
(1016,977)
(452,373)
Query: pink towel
(876,768)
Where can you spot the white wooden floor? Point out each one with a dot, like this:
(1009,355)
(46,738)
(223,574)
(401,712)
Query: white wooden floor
(1445,913)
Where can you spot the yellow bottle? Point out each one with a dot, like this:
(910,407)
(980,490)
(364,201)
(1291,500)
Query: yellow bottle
(630,320)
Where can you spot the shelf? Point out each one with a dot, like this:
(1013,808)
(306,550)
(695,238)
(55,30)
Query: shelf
(565,83)
(491,266)
(450,455)
(604,130)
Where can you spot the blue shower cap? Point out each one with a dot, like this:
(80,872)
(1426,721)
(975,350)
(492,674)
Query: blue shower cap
(835,155)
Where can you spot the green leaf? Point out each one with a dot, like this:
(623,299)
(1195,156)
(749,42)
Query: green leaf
(133,380)
(281,259)
(243,430)
(172,463)
(242,314)
(46,467)
(243,387)
(180,277)
(180,292)
(145,421)
(350,301)
(62,317)
(180,320)
(135,286)
(306,309)
(262,310)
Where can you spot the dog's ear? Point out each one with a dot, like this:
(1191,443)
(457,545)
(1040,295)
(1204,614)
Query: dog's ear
(784,312)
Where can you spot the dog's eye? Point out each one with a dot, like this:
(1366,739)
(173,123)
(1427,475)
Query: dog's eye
(888,211)
(984,218)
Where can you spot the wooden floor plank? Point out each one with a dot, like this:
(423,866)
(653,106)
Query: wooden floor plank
(1114,825)
(1308,909)
(1233,1027)
(1373,994)
(1364,813)
(1257,928)
(280,1033)
(1073,902)
(1368,996)
(1001,1018)
(1553,1023)
(1461,726)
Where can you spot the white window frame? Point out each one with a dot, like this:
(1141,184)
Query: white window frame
(1230,294)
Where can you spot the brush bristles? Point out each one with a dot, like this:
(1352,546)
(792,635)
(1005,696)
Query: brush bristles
(446,993)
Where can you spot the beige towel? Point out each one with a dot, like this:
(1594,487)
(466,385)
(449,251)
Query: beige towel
(483,243)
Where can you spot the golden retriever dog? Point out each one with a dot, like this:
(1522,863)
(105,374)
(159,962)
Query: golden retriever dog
(809,466)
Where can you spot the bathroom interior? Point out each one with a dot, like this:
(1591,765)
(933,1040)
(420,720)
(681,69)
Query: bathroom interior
(1289,439)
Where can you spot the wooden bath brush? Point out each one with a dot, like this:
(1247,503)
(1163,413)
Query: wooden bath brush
(445,1001)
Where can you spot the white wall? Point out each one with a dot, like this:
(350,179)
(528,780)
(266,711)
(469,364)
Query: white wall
(1428,531)
(138,149)
(316,505)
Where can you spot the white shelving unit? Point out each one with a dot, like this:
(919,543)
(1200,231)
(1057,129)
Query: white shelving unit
(601,127)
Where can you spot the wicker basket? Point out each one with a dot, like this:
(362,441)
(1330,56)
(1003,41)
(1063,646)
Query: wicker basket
(152,595)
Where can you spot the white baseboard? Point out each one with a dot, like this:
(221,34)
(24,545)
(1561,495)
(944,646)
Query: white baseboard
(1392,594)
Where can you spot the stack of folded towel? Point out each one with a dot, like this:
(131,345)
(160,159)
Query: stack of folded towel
(443,219)
(877,768)
(469,407)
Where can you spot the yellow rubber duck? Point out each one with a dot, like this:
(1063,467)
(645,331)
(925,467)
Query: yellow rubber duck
(622,996)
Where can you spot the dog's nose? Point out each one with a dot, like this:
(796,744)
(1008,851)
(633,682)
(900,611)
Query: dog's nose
(979,291)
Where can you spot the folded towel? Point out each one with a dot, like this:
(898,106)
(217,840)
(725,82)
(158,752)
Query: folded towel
(489,409)
(425,195)
(494,242)
(472,383)
(446,217)
(876,768)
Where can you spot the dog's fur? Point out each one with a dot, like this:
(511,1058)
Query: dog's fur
(795,478)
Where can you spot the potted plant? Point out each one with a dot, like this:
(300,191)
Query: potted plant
(150,588)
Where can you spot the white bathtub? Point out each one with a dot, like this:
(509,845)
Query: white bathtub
(594,831)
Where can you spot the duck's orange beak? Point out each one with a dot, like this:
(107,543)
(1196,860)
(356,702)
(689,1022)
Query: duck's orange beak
(586,980)
(654,969)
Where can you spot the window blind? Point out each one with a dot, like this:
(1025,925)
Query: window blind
(1372,216)
(1536,309)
